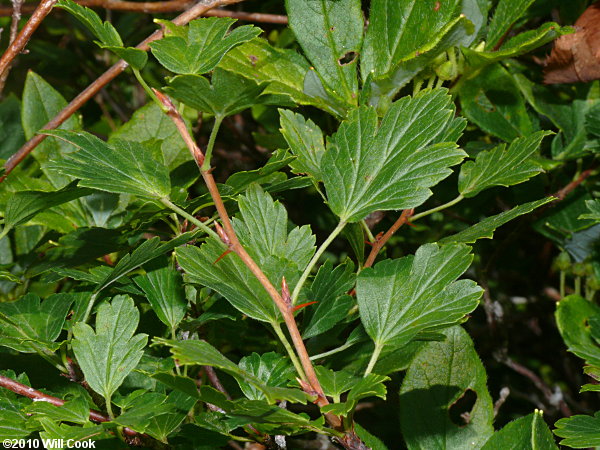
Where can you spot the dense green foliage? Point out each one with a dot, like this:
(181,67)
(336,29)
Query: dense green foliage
(125,289)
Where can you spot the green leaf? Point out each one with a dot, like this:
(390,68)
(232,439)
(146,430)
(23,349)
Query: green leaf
(149,250)
(493,102)
(305,139)
(397,30)
(594,207)
(11,130)
(29,324)
(124,167)
(149,123)
(271,368)
(13,425)
(573,314)
(201,353)
(154,414)
(485,228)
(368,386)
(373,442)
(527,433)
(506,14)
(163,287)
(330,289)
(262,227)
(330,33)
(73,411)
(41,102)
(516,46)
(24,205)
(367,169)
(399,298)
(226,94)
(106,33)
(198,47)
(569,114)
(579,431)
(440,375)
(334,384)
(404,38)
(239,181)
(109,354)
(501,167)
(285,71)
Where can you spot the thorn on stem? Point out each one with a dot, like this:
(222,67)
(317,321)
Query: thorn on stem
(223,255)
(303,305)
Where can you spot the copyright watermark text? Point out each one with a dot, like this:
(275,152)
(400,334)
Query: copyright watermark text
(48,443)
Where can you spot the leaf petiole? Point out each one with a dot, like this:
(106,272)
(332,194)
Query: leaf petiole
(337,230)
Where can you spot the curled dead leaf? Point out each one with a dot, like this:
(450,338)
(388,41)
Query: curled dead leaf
(576,57)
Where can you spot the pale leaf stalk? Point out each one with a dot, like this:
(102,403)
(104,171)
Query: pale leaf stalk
(285,308)
(289,350)
(211,143)
(147,88)
(172,206)
(374,358)
(438,208)
(337,230)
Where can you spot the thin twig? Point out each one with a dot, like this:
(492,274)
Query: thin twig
(380,242)
(102,81)
(163,7)
(29,392)
(213,378)
(539,383)
(561,194)
(14,28)
(18,44)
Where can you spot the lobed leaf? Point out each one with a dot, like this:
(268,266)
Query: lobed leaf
(198,47)
(163,287)
(271,368)
(366,168)
(579,431)
(501,166)
(262,227)
(305,140)
(226,94)
(123,167)
(108,354)
(400,298)
(29,324)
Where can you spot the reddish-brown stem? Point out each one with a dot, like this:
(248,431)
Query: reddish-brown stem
(19,43)
(29,392)
(561,194)
(380,242)
(14,29)
(231,240)
(102,81)
(163,7)
(213,378)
